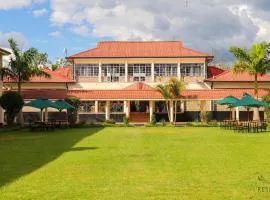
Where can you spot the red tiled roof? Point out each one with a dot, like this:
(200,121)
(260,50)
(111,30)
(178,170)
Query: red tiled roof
(139,49)
(213,71)
(137,94)
(62,75)
(138,86)
(229,76)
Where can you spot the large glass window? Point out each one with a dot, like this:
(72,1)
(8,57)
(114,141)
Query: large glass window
(87,70)
(112,72)
(139,71)
(165,69)
(192,69)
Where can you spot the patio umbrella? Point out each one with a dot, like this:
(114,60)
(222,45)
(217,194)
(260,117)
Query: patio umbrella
(41,104)
(229,100)
(249,102)
(62,104)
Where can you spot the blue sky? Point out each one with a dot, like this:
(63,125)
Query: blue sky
(205,25)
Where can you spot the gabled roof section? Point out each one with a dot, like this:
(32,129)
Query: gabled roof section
(213,71)
(4,52)
(139,86)
(229,76)
(139,49)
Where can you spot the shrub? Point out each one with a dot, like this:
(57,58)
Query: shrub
(153,120)
(12,102)
(72,113)
(109,121)
(126,121)
(266,99)
(163,122)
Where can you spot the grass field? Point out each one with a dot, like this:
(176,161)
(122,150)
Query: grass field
(134,163)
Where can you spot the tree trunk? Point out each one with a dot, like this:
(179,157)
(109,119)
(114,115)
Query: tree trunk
(175,107)
(256,85)
(20,119)
(256,114)
(168,111)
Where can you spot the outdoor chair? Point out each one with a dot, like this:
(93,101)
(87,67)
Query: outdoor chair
(262,126)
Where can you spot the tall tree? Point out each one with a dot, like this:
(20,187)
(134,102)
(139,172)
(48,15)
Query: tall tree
(22,66)
(254,61)
(164,90)
(175,88)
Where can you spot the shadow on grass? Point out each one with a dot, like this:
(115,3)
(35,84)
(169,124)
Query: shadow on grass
(23,152)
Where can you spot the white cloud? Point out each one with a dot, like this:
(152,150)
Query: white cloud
(80,30)
(16,4)
(18,37)
(202,24)
(40,12)
(55,34)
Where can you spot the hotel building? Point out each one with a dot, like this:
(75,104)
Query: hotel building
(117,79)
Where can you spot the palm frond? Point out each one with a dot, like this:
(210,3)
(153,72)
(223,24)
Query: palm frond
(241,54)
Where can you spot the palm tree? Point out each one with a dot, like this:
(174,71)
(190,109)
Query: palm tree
(22,66)
(164,90)
(175,88)
(255,62)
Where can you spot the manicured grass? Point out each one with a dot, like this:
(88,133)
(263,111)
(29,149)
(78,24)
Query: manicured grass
(134,163)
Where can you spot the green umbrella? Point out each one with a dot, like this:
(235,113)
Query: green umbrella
(229,100)
(248,101)
(62,104)
(41,104)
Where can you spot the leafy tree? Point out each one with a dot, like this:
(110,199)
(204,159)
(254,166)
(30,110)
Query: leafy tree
(255,61)
(59,63)
(164,90)
(175,87)
(171,93)
(24,65)
(12,102)
(72,113)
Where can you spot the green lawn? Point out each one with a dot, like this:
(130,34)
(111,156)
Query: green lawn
(134,163)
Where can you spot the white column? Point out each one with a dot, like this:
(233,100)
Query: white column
(182,106)
(108,110)
(126,72)
(237,113)
(127,108)
(99,72)
(151,109)
(178,71)
(96,106)
(171,111)
(46,115)
(153,72)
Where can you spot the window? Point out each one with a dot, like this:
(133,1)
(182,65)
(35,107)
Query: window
(192,69)
(87,70)
(165,69)
(87,106)
(112,72)
(139,71)
(117,106)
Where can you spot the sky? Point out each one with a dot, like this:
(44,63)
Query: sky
(211,26)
